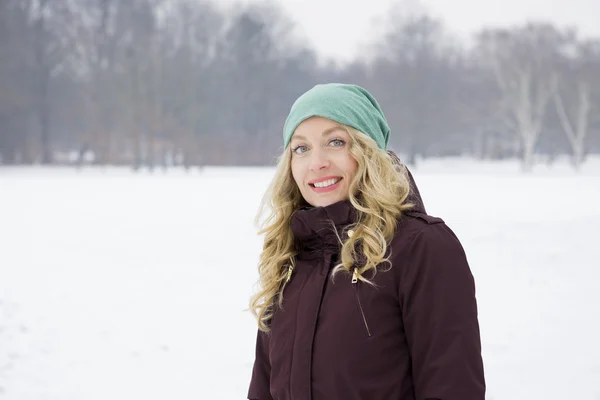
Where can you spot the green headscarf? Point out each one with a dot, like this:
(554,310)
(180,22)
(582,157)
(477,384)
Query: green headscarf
(346,104)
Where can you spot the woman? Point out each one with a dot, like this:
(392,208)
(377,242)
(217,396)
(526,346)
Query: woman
(363,295)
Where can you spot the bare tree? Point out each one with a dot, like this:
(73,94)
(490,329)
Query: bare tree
(579,83)
(50,39)
(15,94)
(194,32)
(248,68)
(524,64)
(414,77)
(98,39)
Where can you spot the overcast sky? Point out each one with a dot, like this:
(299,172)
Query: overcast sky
(336,27)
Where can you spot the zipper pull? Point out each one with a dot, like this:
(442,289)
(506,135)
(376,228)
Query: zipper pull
(289,273)
(355,275)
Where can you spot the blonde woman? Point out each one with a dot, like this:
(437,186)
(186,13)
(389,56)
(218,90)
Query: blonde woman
(363,295)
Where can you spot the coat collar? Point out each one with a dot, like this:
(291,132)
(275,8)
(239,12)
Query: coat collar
(313,225)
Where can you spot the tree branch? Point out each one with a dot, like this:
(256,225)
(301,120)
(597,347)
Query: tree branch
(563,117)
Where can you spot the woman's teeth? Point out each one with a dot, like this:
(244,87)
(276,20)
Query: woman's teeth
(326,183)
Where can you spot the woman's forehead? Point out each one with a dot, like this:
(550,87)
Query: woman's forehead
(316,132)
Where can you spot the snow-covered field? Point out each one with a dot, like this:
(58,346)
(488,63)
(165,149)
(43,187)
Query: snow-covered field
(116,285)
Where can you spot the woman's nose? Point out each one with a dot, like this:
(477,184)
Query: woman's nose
(318,160)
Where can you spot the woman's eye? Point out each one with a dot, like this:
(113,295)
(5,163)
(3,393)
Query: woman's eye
(337,142)
(300,149)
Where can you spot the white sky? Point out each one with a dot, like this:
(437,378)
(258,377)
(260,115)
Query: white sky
(337,27)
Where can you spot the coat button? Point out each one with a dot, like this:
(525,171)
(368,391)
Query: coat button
(350,233)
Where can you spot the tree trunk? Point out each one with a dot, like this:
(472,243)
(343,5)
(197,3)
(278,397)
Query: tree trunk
(44,121)
(528,156)
(576,134)
(578,155)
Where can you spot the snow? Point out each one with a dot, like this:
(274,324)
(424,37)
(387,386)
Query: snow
(120,285)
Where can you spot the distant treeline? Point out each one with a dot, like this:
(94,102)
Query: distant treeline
(159,83)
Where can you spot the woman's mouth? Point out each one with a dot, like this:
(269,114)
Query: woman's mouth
(326,185)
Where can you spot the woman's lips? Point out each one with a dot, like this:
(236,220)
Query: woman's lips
(333,183)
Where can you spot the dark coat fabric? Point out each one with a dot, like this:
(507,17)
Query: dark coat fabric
(413,337)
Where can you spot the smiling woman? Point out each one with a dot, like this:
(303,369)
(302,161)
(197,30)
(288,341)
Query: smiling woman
(363,295)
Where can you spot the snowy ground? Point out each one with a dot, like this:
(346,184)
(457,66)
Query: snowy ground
(122,286)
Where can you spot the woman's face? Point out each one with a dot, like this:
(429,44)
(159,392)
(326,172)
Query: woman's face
(321,162)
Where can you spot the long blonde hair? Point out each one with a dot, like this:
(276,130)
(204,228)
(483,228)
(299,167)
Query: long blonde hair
(378,191)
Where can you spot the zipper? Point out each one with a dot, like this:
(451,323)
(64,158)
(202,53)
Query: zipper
(362,312)
(289,273)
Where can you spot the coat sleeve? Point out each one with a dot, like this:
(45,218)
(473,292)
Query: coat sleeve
(261,371)
(440,317)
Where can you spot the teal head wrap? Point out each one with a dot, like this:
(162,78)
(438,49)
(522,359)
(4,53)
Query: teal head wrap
(346,104)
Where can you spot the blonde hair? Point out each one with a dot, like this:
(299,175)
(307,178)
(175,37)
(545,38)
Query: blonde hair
(378,192)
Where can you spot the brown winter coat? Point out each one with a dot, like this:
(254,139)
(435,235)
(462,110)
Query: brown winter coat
(414,337)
